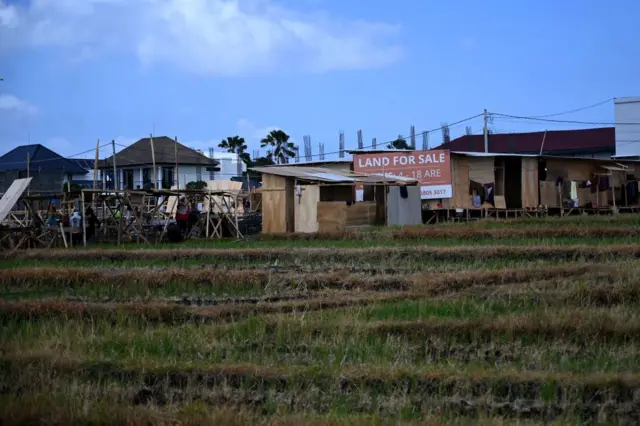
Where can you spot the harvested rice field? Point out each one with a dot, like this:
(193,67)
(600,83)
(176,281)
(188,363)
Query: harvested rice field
(513,322)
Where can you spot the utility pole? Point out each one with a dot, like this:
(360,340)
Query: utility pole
(115,181)
(486,132)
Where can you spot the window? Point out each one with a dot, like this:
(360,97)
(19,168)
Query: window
(198,173)
(167,177)
(127,177)
(109,182)
(146,175)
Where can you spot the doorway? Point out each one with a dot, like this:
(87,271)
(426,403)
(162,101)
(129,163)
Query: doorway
(513,182)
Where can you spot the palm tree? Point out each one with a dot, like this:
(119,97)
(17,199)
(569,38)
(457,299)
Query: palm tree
(282,148)
(236,145)
(399,143)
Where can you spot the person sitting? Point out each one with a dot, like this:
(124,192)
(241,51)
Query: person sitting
(476,202)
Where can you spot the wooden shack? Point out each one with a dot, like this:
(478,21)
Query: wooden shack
(316,199)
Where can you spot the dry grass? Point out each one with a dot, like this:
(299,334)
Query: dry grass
(336,255)
(120,280)
(465,232)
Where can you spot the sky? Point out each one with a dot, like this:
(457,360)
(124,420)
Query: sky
(75,71)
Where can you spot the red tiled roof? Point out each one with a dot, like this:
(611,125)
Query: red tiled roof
(599,139)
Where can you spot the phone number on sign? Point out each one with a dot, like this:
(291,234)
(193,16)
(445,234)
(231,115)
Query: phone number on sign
(433,192)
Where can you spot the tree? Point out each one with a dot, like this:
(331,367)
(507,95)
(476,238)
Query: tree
(236,145)
(282,148)
(399,143)
(267,160)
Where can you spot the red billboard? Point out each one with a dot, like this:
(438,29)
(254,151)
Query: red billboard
(431,168)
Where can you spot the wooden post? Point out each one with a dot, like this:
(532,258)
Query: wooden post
(613,191)
(153,159)
(64,237)
(115,174)
(175,153)
(119,221)
(84,220)
(208,214)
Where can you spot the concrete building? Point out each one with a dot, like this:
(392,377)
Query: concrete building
(229,164)
(627,116)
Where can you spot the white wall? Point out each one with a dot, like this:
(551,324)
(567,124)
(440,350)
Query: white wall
(228,165)
(627,110)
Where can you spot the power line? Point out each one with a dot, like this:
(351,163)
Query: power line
(437,129)
(574,110)
(595,123)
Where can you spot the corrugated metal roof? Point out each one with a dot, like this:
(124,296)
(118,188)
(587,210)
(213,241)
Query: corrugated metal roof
(320,174)
(314,163)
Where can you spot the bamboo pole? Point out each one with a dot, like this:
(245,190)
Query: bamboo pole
(84,220)
(153,159)
(95,172)
(175,153)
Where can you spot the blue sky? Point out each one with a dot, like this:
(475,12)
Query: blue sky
(78,70)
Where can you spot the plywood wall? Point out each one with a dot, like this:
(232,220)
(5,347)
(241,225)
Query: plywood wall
(461,198)
(273,204)
(481,169)
(306,209)
(530,187)
(334,216)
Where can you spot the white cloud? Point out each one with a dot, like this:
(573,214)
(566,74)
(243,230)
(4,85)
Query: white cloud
(223,37)
(13,104)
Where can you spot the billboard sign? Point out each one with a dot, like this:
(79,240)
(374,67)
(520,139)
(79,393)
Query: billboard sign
(431,168)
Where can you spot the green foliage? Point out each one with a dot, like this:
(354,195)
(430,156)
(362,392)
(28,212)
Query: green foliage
(196,185)
(400,143)
(236,145)
(282,149)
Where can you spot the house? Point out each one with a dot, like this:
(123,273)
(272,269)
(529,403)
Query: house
(48,169)
(592,143)
(134,165)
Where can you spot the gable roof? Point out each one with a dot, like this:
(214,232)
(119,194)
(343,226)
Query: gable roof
(601,139)
(40,158)
(139,153)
